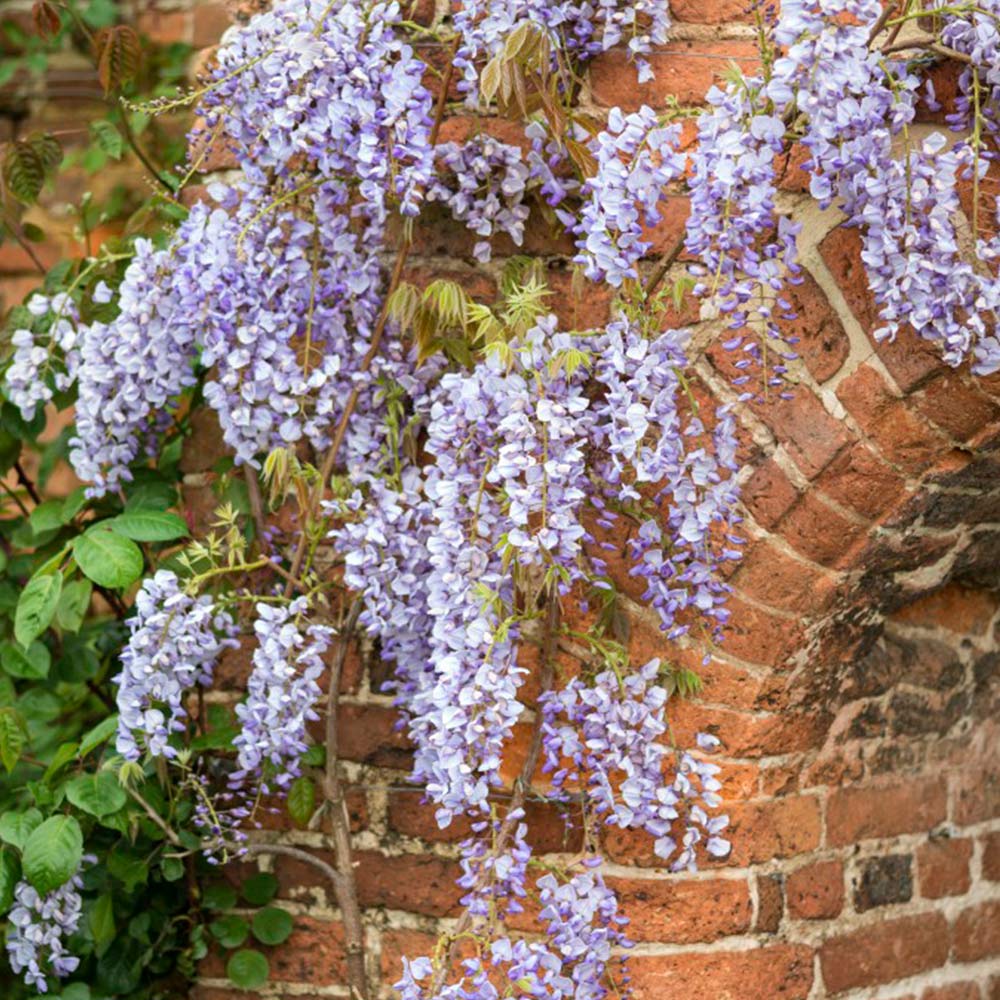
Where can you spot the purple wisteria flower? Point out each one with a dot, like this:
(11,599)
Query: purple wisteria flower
(282,694)
(174,642)
(39,925)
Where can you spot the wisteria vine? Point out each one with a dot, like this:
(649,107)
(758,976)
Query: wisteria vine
(476,485)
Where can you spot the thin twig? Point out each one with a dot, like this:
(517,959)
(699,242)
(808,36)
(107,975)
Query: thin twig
(333,792)
(156,818)
(25,480)
(256,503)
(299,855)
(668,262)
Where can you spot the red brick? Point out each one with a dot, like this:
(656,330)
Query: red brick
(823,343)
(962,610)
(943,867)
(770,576)
(368,734)
(953,991)
(977,792)
(768,494)
(781,828)
(885,810)
(747,735)
(684,911)
(991,856)
(548,829)
(770,903)
(782,972)
(817,531)
(398,944)
(760,636)
(883,952)
(957,407)
(210,21)
(858,479)
(719,12)
(976,934)
(684,70)
(810,435)
(167,27)
(816,891)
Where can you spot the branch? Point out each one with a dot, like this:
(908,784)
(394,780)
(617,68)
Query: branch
(156,818)
(661,272)
(299,855)
(345,887)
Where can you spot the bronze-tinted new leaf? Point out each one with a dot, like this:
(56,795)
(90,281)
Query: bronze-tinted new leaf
(117,51)
(46,18)
(23,172)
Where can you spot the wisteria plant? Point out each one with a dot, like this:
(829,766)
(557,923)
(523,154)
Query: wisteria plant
(472,486)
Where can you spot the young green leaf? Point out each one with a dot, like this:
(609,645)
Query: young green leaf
(102,922)
(12,738)
(16,827)
(219,897)
(259,890)
(10,872)
(52,853)
(272,925)
(148,526)
(73,604)
(107,558)
(98,735)
(302,800)
(36,607)
(108,138)
(97,794)
(31,664)
(230,930)
(248,969)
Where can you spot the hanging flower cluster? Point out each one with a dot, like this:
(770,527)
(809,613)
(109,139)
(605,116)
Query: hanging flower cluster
(480,459)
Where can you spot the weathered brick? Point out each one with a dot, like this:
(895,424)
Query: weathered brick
(816,891)
(769,575)
(883,952)
(977,792)
(684,911)
(991,856)
(770,903)
(976,934)
(860,480)
(768,494)
(782,972)
(822,340)
(677,73)
(781,828)
(953,991)
(943,867)
(885,810)
(956,406)
(817,531)
(884,881)
(958,608)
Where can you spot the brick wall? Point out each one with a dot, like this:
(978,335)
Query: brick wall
(857,694)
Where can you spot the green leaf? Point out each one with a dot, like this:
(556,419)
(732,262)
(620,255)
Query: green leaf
(172,869)
(219,897)
(16,827)
(97,794)
(36,607)
(230,931)
(52,853)
(302,800)
(73,604)
(108,138)
(75,991)
(259,889)
(102,922)
(10,872)
(47,517)
(132,871)
(62,756)
(24,172)
(73,504)
(272,925)
(98,735)
(148,526)
(248,969)
(12,738)
(109,559)
(30,665)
